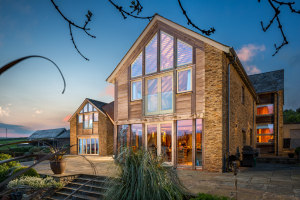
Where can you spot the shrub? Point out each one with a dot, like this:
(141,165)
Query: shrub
(34,182)
(203,196)
(297,150)
(142,176)
(4,168)
(46,150)
(36,149)
(31,172)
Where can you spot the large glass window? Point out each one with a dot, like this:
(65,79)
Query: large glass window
(136,90)
(265,138)
(166,92)
(166,51)
(88,121)
(184,80)
(265,109)
(265,133)
(184,142)
(79,118)
(88,146)
(90,107)
(80,143)
(184,53)
(151,56)
(152,90)
(122,137)
(85,109)
(166,141)
(198,142)
(136,138)
(93,148)
(137,66)
(152,138)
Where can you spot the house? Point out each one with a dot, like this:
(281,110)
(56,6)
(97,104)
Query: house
(291,137)
(269,116)
(171,97)
(55,137)
(91,129)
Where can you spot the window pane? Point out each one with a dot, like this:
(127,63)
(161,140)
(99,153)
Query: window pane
(184,55)
(265,109)
(95,117)
(184,81)
(84,146)
(81,111)
(85,109)
(152,95)
(86,121)
(79,118)
(152,139)
(265,129)
(137,65)
(198,142)
(88,146)
(90,121)
(166,48)
(166,92)
(265,138)
(166,141)
(136,138)
(93,150)
(151,56)
(137,90)
(97,145)
(122,137)
(94,109)
(184,142)
(90,108)
(80,146)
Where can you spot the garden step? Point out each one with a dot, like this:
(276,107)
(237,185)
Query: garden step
(80,196)
(87,185)
(89,191)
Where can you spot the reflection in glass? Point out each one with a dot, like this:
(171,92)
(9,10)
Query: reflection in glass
(93,146)
(265,129)
(84,146)
(95,117)
(136,67)
(151,56)
(265,109)
(166,141)
(136,138)
(152,95)
(90,121)
(122,137)
(88,146)
(152,138)
(85,109)
(184,80)
(184,142)
(86,121)
(166,92)
(184,55)
(90,107)
(97,145)
(166,48)
(79,118)
(80,146)
(198,142)
(137,90)
(265,138)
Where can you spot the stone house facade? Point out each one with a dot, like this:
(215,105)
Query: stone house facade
(171,97)
(91,129)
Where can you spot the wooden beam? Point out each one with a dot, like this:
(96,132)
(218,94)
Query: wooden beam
(194,144)
(174,143)
(129,92)
(158,51)
(115,140)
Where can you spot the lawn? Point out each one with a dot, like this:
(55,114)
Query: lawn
(3,141)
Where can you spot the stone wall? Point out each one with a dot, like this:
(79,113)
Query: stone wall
(73,135)
(106,131)
(280,132)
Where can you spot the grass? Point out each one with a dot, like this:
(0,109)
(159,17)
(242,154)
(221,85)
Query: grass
(3,141)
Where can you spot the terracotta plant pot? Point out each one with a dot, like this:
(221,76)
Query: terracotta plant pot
(58,167)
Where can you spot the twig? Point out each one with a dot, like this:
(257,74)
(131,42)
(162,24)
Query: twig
(276,15)
(137,7)
(88,16)
(208,33)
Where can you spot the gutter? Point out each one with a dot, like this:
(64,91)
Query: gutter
(277,123)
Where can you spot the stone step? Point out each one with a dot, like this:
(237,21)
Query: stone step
(90,191)
(63,194)
(279,160)
(77,184)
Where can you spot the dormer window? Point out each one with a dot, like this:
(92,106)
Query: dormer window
(151,56)
(184,53)
(136,66)
(166,51)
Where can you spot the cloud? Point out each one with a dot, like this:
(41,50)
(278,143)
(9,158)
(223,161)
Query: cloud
(67,118)
(38,111)
(34,108)
(108,91)
(246,54)
(4,111)
(14,130)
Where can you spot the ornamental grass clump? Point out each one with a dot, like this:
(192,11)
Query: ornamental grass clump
(35,182)
(143,176)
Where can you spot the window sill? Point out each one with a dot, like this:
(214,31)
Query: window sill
(87,128)
(185,92)
(264,143)
(136,100)
(265,115)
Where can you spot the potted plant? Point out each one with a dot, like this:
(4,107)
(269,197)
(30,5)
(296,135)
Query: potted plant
(57,162)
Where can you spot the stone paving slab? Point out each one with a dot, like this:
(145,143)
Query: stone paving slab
(265,181)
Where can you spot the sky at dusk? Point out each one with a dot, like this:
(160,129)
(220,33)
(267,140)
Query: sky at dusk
(31,92)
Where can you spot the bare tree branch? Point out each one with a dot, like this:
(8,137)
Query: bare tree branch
(88,16)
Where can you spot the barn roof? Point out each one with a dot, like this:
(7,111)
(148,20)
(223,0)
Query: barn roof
(46,134)
(64,135)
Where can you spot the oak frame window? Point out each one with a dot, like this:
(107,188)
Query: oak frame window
(265,133)
(137,66)
(166,51)
(181,73)
(267,109)
(136,90)
(184,53)
(151,55)
(80,119)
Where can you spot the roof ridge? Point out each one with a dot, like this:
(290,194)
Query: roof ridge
(267,72)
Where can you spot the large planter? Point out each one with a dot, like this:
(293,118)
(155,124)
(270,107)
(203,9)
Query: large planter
(58,167)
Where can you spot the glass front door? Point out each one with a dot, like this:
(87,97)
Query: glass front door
(88,146)
(159,139)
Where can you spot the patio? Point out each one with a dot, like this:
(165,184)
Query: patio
(265,181)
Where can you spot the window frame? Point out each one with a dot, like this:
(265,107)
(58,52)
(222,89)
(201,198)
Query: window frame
(88,122)
(177,74)
(265,134)
(177,53)
(157,44)
(160,50)
(159,110)
(81,115)
(265,105)
(88,137)
(141,53)
(131,95)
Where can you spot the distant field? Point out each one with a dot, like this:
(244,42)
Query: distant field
(2,141)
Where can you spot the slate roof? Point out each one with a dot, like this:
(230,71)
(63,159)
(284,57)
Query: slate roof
(98,104)
(64,135)
(268,82)
(47,134)
(109,110)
